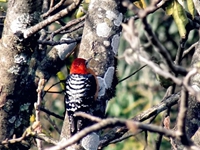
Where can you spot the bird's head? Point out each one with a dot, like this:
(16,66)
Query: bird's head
(79,66)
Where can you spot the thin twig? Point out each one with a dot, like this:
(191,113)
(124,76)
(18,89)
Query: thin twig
(132,74)
(47,91)
(113,121)
(117,132)
(53,8)
(37,107)
(186,82)
(151,36)
(127,134)
(57,92)
(157,69)
(15,140)
(181,121)
(75,28)
(52,123)
(160,48)
(45,138)
(30,131)
(52,43)
(159,138)
(179,53)
(68,25)
(32,30)
(187,51)
(178,59)
(87,116)
(51,113)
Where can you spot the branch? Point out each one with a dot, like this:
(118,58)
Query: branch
(117,132)
(181,121)
(52,63)
(53,9)
(100,43)
(17,71)
(32,30)
(160,48)
(68,25)
(37,108)
(53,43)
(133,125)
(151,36)
(108,122)
(51,113)
(187,51)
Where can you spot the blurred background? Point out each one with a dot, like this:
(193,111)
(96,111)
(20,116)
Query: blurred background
(134,95)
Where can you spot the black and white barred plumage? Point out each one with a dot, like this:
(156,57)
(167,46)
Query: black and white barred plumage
(79,96)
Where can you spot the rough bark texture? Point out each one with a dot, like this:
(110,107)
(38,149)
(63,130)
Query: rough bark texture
(193,113)
(100,43)
(17,61)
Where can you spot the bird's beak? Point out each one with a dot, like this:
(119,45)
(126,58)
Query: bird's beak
(87,62)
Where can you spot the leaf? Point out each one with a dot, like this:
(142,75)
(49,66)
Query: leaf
(140,4)
(80,12)
(83,8)
(190,5)
(175,9)
(180,18)
(32,118)
(87,1)
(3,1)
(170,7)
(61,77)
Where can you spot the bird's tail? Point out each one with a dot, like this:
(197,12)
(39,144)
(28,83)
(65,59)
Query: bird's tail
(78,123)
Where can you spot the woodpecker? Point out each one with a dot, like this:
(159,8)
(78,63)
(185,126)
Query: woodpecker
(81,93)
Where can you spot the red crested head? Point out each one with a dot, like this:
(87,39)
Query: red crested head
(78,66)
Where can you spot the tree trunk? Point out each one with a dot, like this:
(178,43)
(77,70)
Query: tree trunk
(17,61)
(100,43)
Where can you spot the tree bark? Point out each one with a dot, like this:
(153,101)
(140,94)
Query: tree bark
(100,43)
(17,61)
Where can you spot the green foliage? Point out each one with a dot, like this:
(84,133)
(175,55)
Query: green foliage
(133,96)
(82,9)
(190,5)
(178,11)
(143,90)
(4,1)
